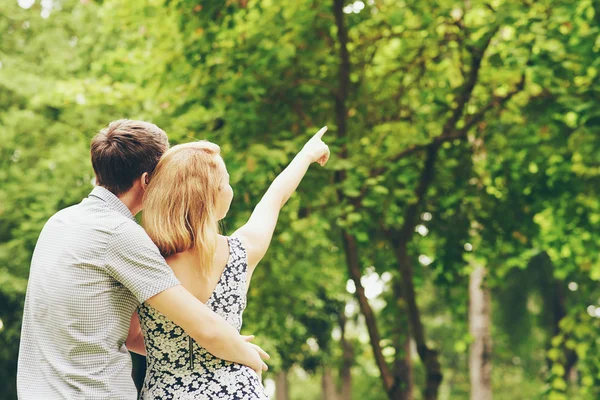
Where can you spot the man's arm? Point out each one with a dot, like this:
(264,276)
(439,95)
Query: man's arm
(134,261)
(207,328)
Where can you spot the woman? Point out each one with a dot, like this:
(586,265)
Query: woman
(188,194)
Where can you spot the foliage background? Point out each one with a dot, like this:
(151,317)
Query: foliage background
(463,134)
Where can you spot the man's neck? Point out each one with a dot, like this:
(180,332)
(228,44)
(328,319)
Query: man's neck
(132,200)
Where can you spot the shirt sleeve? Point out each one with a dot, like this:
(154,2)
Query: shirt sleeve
(134,260)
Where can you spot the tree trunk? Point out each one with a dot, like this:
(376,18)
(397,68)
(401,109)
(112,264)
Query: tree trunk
(403,387)
(328,384)
(554,301)
(399,240)
(349,241)
(282,391)
(346,378)
(395,386)
(352,261)
(429,357)
(347,361)
(480,362)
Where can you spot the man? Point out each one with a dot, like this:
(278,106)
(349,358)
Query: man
(91,268)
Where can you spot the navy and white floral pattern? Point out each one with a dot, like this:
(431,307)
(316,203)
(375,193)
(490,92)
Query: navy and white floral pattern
(173,372)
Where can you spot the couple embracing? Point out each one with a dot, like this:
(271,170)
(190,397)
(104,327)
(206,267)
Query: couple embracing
(100,285)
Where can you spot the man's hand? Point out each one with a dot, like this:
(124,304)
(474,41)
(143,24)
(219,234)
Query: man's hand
(316,149)
(262,354)
(206,327)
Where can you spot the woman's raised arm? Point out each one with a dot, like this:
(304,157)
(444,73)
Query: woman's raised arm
(256,234)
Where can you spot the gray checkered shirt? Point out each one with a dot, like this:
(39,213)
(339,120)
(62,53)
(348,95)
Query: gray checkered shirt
(92,266)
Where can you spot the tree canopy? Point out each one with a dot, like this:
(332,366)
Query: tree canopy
(464,138)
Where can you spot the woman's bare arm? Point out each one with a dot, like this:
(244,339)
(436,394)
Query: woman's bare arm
(135,339)
(256,234)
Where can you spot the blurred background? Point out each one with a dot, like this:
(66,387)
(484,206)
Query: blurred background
(450,248)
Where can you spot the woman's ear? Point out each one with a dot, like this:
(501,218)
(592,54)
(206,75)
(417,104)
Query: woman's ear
(145,179)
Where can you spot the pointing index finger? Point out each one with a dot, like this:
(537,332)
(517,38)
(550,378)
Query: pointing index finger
(321,132)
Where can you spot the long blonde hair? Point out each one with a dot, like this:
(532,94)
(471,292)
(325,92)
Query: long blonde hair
(180,201)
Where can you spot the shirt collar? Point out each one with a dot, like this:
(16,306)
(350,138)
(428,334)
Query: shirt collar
(113,201)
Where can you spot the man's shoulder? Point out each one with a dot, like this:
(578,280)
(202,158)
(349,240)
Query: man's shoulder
(130,228)
(62,218)
(129,234)
(64,212)
(89,215)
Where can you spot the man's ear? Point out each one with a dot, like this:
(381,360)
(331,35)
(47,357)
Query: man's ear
(145,179)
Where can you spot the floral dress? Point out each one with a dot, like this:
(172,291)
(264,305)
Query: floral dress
(178,368)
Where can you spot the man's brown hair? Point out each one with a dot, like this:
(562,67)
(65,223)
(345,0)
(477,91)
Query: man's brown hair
(125,150)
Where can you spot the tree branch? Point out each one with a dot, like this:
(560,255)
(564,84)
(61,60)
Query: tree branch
(449,132)
(496,102)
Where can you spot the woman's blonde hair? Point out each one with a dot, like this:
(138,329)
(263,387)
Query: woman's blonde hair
(180,201)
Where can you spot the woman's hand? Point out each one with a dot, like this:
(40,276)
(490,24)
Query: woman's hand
(316,149)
